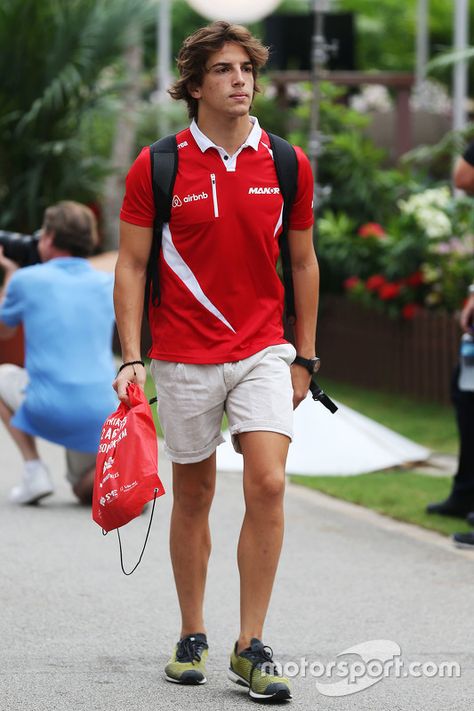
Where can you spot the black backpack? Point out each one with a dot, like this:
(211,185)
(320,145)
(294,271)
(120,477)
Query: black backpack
(163,176)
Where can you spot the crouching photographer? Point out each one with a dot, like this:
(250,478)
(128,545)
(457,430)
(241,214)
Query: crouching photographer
(65,307)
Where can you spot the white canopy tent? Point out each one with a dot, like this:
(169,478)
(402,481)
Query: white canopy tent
(345,443)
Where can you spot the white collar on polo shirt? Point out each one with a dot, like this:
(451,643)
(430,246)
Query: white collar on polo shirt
(252,141)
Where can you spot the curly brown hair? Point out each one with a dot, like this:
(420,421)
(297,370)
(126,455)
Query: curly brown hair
(198,47)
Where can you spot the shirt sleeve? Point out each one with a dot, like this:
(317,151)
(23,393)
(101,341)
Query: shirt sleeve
(302,216)
(469,154)
(11,309)
(138,206)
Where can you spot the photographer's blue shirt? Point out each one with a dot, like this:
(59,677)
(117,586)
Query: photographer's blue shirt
(66,309)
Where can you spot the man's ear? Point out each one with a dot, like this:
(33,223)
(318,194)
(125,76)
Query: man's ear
(195,91)
(49,236)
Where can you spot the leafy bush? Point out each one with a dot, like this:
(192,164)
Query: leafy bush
(424,259)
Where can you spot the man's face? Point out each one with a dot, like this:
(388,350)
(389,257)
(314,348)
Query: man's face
(228,85)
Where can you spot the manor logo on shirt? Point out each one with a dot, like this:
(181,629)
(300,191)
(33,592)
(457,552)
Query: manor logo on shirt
(264,191)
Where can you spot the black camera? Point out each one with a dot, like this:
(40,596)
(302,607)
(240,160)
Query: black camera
(22,249)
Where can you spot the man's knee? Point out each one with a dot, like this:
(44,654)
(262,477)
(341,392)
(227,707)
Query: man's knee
(265,487)
(193,487)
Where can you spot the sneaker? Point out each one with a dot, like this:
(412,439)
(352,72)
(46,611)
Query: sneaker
(464,540)
(255,669)
(36,485)
(188,663)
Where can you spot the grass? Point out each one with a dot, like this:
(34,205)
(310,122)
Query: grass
(150,392)
(402,495)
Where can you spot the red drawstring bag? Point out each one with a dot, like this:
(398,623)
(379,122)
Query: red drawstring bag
(126,474)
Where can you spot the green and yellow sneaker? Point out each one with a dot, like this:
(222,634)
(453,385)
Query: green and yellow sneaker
(188,663)
(255,669)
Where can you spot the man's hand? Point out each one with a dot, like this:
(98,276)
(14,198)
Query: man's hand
(300,379)
(130,374)
(467,315)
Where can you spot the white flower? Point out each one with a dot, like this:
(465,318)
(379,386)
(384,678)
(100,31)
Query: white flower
(427,209)
(372,97)
(431,96)
(434,222)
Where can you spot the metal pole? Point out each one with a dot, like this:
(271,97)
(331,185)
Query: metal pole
(461,26)
(320,51)
(317,65)
(422,35)
(163,48)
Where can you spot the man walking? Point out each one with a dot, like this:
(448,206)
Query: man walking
(217,335)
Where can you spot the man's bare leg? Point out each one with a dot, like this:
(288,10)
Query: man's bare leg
(190,538)
(261,535)
(25,442)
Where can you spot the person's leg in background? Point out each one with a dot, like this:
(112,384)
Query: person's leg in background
(463,483)
(81,474)
(460,501)
(36,482)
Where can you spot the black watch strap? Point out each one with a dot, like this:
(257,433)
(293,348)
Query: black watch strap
(311,364)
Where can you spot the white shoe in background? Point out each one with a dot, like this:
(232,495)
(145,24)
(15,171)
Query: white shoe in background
(36,484)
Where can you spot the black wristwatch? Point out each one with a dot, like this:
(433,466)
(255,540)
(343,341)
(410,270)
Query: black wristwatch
(312,365)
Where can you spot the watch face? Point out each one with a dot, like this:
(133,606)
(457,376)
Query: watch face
(317,364)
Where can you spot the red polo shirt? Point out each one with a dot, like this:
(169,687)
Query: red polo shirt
(221,297)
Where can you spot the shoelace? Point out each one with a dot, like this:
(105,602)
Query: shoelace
(190,650)
(259,657)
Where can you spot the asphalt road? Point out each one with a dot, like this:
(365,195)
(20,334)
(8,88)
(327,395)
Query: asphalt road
(75,633)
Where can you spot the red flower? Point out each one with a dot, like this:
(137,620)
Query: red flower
(351,283)
(415,279)
(389,291)
(374,282)
(371,229)
(409,311)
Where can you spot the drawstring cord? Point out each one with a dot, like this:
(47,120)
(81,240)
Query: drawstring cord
(104,533)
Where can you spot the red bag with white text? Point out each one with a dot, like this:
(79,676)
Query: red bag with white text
(126,474)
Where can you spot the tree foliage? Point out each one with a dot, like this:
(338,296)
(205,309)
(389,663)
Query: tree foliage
(54,72)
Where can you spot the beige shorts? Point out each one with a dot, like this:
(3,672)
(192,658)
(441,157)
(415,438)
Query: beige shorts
(13,382)
(256,394)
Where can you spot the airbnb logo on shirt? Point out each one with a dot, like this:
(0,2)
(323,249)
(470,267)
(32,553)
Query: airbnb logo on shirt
(189,198)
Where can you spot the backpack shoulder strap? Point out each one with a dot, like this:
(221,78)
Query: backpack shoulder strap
(164,167)
(286,166)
